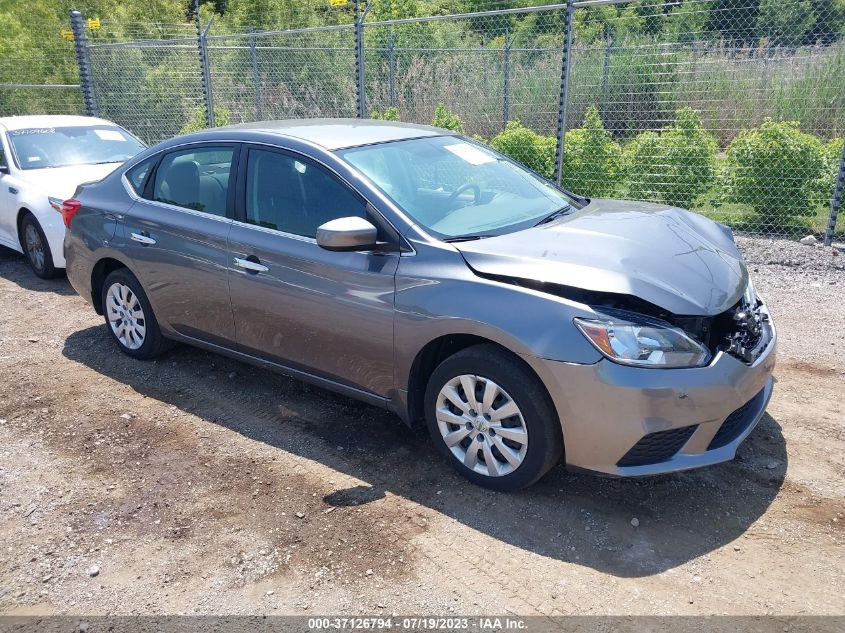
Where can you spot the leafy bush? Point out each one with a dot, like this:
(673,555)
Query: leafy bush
(674,166)
(524,145)
(774,169)
(592,160)
(197,121)
(390,114)
(446,119)
(831,154)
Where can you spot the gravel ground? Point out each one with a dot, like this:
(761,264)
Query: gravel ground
(196,484)
(804,287)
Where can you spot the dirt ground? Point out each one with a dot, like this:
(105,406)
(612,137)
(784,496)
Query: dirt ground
(196,484)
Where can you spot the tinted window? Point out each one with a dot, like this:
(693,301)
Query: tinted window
(2,157)
(137,176)
(196,178)
(295,195)
(37,148)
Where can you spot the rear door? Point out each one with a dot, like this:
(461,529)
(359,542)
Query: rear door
(176,234)
(326,313)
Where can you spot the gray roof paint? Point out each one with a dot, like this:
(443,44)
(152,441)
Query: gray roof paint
(335,134)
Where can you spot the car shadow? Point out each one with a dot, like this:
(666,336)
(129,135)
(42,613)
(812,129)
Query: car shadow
(570,517)
(13,267)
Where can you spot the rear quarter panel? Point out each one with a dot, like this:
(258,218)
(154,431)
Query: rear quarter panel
(92,229)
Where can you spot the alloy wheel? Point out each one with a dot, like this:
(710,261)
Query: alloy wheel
(34,246)
(481,425)
(126,316)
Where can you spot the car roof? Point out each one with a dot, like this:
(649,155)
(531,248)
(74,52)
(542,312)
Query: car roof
(49,120)
(334,134)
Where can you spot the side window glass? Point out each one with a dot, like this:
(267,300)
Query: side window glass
(137,176)
(295,195)
(3,162)
(196,178)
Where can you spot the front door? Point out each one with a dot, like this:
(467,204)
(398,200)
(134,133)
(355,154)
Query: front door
(326,313)
(8,215)
(176,235)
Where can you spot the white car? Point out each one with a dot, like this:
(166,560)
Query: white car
(42,161)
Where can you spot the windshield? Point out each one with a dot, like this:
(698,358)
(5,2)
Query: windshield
(38,148)
(456,188)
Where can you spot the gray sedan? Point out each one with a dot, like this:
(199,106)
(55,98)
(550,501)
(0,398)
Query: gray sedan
(423,272)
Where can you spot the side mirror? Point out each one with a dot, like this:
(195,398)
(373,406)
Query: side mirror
(4,169)
(347,234)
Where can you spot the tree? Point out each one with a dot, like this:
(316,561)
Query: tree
(785,23)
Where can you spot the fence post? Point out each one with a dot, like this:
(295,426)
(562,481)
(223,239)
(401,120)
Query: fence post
(836,200)
(506,71)
(83,60)
(391,71)
(359,58)
(564,90)
(256,79)
(202,44)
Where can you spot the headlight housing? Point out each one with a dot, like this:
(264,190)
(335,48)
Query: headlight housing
(635,339)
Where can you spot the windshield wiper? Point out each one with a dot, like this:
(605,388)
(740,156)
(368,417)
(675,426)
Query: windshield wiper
(554,215)
(466,238)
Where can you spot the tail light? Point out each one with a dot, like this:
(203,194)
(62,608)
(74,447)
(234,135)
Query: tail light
(67,208)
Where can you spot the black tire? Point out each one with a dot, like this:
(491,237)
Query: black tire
(153,343)
(545,440)
(37,252)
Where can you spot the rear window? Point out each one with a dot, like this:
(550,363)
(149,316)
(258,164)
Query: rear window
(137,176)
(40,148)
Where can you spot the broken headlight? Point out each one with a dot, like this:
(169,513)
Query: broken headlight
(634,339)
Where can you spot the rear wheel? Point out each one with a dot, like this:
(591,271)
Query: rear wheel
(490,416)
(36,248)
(129,316)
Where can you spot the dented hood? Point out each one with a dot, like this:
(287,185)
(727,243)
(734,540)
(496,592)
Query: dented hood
(675,259)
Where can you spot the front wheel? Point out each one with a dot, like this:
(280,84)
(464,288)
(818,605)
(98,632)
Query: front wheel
(491,418)
(36,248)
(129,316)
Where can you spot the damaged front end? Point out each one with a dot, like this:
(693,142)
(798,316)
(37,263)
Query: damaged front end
(742,331)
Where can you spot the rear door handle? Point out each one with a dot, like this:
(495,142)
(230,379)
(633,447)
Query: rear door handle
(145,240)
(12,190)
(251,266)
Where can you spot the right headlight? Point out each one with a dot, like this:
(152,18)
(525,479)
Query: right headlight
(641,341)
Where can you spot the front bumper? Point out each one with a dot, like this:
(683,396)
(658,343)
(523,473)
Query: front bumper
(628,421)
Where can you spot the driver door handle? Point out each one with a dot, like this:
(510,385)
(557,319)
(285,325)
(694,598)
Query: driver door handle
(142,239)
(250,266)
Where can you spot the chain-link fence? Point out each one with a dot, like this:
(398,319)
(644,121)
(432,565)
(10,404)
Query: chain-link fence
(734,108)
(42,81)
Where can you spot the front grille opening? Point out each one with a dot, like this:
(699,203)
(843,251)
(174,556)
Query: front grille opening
(736,423)
(657,447)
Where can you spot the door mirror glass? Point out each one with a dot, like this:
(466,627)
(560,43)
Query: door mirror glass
(347,234)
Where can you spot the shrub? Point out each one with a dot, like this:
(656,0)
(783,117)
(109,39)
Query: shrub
(525,146)
(446,119)
(390,114)
(831,154)
(674,166)
(197,120)
(775,169)
(592,160)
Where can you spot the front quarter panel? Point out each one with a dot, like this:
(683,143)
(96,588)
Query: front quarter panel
(437,294)
(34,199)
